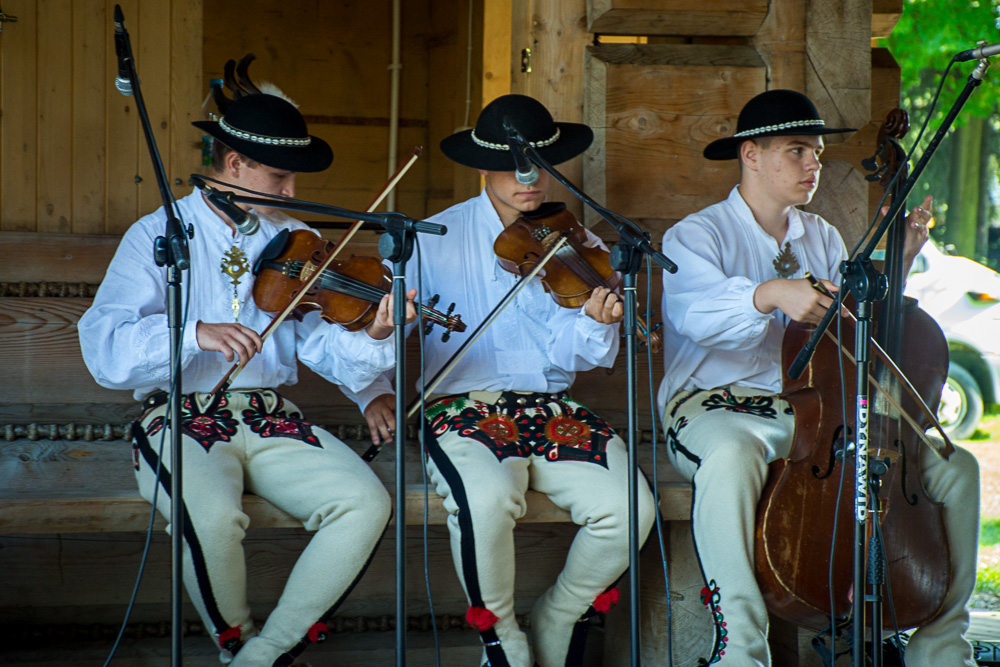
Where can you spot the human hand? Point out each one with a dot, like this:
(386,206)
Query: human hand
(798,298)
(381,417)
(233,340)
(604,306)
(382,326)
(918,222)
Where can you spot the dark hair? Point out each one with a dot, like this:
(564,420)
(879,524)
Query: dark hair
(219,152)
(762,142)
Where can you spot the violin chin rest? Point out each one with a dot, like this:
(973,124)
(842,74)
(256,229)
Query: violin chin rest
(271,250)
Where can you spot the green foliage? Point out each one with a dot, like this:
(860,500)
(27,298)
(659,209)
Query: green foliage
(929,33)
(989,532)
(988,580)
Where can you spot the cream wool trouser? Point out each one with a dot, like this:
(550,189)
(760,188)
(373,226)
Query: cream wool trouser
(725,452)
(298,467)
(484,497)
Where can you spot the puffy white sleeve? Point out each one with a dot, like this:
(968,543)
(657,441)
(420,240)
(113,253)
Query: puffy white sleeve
(702,302)
(124,335)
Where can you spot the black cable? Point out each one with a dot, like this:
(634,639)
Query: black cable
(143,559)
(423,452)
(656,482)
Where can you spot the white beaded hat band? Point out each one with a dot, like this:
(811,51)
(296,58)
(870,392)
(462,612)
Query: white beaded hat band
(486,147)
(270,130)
(771,114)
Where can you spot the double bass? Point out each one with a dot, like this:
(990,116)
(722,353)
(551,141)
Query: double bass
(806,511)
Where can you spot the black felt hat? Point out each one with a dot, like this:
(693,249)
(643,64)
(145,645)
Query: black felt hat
(270,130)
(772,114)
(486,146)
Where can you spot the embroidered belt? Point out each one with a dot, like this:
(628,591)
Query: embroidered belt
(510,399)
(160,397)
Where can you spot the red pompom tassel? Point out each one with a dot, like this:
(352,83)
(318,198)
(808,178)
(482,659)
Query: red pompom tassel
(481,618)
(230,638)
(606,600)
(318,632)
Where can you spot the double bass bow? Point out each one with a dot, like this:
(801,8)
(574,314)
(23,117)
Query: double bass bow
(804,531)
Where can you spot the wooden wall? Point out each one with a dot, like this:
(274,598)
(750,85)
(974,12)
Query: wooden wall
(655,106)
(72,155)
(333,59)
(73,158)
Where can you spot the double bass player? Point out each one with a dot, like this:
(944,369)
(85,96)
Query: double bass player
(741,281)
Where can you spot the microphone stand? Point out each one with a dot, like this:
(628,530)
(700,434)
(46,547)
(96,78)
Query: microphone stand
(625,257)
(861,279)
(396,245)
(170,250)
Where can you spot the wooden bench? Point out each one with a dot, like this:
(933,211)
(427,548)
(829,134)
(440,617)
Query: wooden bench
(72,520)
(73,486)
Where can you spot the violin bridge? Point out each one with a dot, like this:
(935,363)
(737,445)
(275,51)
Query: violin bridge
(307,270)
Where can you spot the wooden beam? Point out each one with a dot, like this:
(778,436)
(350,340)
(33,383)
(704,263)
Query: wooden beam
(676,17)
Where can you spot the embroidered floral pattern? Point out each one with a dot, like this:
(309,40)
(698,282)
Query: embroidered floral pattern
(673,441)
(207,428)
(710,597)
(762,406)
(276,423)
(558,429)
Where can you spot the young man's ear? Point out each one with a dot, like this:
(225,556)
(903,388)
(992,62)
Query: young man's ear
(749,153)
(233,163)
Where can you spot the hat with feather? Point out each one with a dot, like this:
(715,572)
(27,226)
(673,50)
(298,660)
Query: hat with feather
(263,124)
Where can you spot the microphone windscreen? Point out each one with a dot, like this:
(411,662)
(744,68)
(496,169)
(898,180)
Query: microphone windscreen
(250,225)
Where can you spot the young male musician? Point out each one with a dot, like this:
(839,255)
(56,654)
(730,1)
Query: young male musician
(249,437)
(741,280)
(502,422)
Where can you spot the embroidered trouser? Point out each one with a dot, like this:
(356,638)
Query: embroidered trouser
(256,441)
(723,440)
(483,458)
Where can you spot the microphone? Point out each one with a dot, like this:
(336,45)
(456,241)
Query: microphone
(247,222)
(122,82)
(978,53)
(525,170)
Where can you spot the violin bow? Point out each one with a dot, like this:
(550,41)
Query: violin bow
(474,336)
(948,448)
(226,381)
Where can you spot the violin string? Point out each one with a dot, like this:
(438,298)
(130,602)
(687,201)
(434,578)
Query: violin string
(353,287)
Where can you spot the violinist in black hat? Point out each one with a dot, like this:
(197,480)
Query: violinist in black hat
(742,277)
(502,421)
(248,438)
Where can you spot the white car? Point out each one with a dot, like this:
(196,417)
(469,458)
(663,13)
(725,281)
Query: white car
(964,297)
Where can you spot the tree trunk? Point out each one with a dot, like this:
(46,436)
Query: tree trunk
(963,205)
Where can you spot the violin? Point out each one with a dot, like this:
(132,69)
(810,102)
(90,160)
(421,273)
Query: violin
(575,270)
(346,293)
(316,271)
